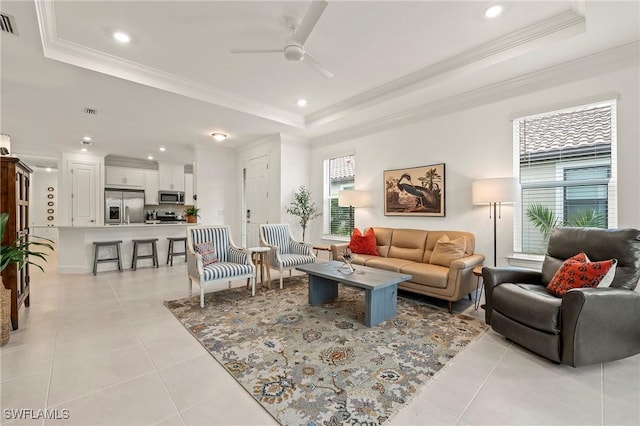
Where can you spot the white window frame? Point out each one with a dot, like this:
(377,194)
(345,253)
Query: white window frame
(612,186)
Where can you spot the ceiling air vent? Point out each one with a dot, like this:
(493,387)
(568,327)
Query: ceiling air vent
(8,24)
(90,111)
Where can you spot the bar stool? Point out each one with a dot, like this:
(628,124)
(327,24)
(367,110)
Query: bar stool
(171,253)
(153,255)
(96,254)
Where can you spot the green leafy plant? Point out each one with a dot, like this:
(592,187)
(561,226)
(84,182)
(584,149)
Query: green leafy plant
(192,211)
(545,220)
(303,208)
(22,249)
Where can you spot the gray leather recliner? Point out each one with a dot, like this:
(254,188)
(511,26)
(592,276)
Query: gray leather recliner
(587,325)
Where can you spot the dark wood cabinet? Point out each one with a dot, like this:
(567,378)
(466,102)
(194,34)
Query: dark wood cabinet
(15,177)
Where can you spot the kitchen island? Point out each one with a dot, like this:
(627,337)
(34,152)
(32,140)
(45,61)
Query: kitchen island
(75,244)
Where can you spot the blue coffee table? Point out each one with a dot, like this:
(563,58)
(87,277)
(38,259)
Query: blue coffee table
(381,287)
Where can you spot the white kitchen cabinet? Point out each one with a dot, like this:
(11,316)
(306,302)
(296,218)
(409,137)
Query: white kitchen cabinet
(188,189)
(151,187)
(124,177)
(171,177)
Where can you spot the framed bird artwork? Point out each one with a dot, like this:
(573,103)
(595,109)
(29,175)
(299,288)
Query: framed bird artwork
(416,191)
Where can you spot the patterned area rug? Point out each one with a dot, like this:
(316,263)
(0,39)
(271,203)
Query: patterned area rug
(320,365)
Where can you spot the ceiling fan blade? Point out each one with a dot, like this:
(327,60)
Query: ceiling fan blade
(256,50)
(310,19)
(316,66)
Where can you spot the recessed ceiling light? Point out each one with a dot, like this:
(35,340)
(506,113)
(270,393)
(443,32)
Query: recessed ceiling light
(219,136)
(87,138)
(149,157)
(122,37)
(302,103)
(83,149)
(48,169)
(493,11)
(163,149)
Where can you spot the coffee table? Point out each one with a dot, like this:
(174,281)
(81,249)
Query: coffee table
(381,287)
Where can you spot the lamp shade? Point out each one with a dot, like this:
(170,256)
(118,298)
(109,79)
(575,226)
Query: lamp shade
(496,190)
(352,198)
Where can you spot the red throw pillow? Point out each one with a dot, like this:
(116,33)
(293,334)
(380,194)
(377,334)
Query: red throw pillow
(364,244)
(578,272)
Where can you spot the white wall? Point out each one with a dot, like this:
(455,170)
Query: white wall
(294,172)
(477,143)
(219,187)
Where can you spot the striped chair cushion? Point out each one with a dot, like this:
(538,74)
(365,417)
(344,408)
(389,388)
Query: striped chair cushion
(219,238)
(278,235)
(291,260)
(221,270)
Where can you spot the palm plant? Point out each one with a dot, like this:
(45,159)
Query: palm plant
(543,218)
(21,251)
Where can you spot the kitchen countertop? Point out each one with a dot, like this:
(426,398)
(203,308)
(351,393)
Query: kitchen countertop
(131,225)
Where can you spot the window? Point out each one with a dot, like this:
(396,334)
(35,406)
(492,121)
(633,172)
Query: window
(567,169)
(339,174)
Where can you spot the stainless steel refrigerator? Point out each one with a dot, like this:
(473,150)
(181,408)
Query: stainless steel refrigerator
(123,206)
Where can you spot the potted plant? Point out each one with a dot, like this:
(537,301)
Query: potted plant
(303,208)
(20,253)
(191,213)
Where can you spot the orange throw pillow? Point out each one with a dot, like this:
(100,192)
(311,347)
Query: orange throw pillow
(578,272)
(364,244)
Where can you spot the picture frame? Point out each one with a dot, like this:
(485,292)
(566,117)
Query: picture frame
(415,191)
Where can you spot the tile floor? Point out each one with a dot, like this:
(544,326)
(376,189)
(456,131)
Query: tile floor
(107,350)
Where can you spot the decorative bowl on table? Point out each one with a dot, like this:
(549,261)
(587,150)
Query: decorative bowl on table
(347,257)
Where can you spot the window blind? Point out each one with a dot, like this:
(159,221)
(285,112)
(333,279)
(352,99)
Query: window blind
(567,172)
(339,175)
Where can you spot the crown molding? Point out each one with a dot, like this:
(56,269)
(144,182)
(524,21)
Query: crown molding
(84,57)
(568,72)
(558,27)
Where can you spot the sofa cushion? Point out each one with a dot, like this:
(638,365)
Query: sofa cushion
(388,263)
(434,236)
(363,244)
(383,239)
(528,304)
(427,274)
(446,251)
(408,244)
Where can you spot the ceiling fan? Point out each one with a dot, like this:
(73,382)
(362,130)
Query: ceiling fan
(294,47)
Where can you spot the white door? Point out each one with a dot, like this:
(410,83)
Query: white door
(83,193)
(256,198)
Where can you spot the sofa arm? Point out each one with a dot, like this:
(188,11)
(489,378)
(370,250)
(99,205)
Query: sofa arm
(337,250)
(599,325)
(493,277)
(467,262)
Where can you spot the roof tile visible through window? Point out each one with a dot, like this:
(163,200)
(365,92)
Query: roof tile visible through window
(342,168)
(574,129)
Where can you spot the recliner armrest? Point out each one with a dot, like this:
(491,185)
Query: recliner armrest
(493,277)
(599,325)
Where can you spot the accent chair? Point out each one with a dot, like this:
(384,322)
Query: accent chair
(228,262)
(286,253)
(586,325)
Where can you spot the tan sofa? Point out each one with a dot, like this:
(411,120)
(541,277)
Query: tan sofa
(409,250)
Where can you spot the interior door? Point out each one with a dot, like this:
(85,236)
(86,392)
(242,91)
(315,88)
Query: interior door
(83,194)
(256,198)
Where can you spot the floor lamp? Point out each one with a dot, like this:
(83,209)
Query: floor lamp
(494,192)
(352,198)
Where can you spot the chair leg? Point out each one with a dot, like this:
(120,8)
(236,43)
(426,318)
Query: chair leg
(118,253)
(253,286)
(95,260)
(201,295)
(190,286)
(169,250)
(281,274)
(450,308)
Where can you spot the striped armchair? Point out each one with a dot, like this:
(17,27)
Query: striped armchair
(232,262)
(286,253)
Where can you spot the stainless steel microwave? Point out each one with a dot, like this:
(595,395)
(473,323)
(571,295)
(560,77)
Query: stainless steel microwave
(170,197)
